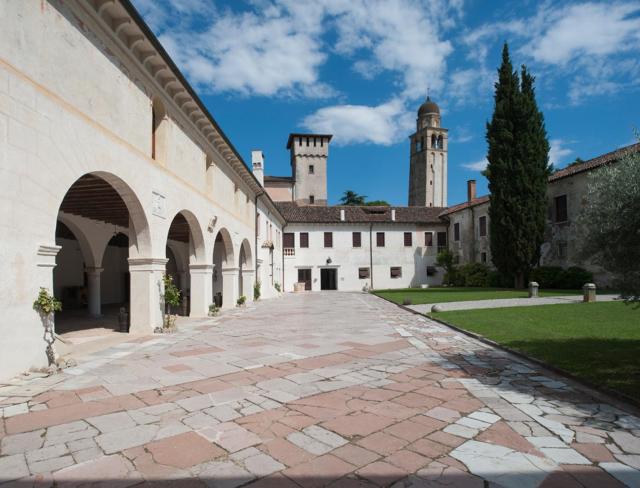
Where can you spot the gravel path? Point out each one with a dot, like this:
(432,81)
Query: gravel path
(506,302)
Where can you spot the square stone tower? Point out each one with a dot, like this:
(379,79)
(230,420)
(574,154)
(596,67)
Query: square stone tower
(428,166)
(309,153)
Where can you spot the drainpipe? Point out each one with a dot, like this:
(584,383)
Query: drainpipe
(283,260)
(255,243)
(371,254)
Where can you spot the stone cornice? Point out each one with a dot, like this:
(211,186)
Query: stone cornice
(122,25)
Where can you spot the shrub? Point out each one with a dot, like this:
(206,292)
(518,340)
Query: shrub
(256,290)
(241,301)
(46,303)
(475,274)
(407,301)
(213,310)
(554,277)
(498,280)
(445,260)
(277,286)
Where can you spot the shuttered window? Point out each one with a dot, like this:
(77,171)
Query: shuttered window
(380,239)
(408,239)
(304,239)
(289,240)
(396,272)
(482,226)
(356,239)
(328,239)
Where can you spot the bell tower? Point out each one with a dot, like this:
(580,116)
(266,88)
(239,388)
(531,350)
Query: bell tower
(428,159)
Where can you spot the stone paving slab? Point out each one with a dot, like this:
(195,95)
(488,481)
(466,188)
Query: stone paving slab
(320,389)
(506,302)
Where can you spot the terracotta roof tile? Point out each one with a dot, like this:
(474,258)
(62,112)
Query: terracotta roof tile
(595,162)
(295,213)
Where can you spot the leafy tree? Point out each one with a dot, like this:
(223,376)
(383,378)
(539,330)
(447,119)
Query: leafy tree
(446,260)
(352,198)
(575,162)
(517,172)
(609,224)
(377,203)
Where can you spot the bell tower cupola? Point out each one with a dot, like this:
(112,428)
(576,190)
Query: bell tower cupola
(428,159)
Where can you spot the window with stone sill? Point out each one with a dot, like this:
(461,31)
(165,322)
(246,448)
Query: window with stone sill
(363,273)
(395,272)
(560,206)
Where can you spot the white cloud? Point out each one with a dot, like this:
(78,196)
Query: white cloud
(384,124)
(558,152)
(588,29)
(477,165)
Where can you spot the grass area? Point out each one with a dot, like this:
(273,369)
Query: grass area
(452,294)
(599,342)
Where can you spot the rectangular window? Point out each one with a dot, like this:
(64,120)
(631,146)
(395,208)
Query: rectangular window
(561,208)
(408,239)
(328,239)
(289,240)
(428,239)
(482,226)
(304,239)
(442,241)
(363,273)
(311,169)
(456,232)
(380,239)
(562,250)
(312,199)
(356,239)
(396,272)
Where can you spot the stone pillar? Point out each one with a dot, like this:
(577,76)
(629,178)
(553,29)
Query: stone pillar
(229,287)
(95,299)
(589,290)
(183,284)
(201,282)
(146,294)
(533,289)
(248,280)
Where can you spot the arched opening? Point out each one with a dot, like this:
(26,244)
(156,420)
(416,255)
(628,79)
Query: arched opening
(185,248)
(440,142)
(245,270)
(224,291)
(91,276)
(434,141)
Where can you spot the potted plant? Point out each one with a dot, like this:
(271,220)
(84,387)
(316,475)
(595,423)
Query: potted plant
(241,302)
(256,290)
(171,298)
(213,310)
(47,305)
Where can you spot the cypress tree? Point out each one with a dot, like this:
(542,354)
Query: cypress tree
(517,173)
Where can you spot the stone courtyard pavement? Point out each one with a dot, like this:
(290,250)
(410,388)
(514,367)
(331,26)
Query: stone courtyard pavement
(337,389)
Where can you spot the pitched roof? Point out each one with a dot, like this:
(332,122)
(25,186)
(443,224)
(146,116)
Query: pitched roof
(467,204)
(601,160)
(295,213)
(279,179)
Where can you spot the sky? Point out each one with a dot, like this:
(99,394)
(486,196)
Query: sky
(359,69)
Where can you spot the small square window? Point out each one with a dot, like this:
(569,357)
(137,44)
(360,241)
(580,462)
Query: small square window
(311,169)
(396,272)
(363,273)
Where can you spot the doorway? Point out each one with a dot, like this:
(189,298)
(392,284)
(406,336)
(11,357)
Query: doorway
(304,276)
(328,279)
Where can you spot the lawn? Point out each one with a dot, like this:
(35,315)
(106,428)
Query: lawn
(599,342)
(451,294)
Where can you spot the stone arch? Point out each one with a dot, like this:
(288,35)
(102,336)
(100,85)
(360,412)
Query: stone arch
(196,241)
(224,237)
(245,257)
(225,271)
(89,253)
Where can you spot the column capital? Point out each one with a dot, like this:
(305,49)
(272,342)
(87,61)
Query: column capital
(147,264)
(230,271)
(203,268)
(93,269)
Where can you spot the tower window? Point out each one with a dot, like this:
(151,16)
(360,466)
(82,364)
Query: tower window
(311,169)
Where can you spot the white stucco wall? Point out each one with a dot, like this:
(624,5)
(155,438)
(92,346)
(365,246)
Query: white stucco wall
(347,260)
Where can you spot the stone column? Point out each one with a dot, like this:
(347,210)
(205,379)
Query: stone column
(201,293)
(247,283)
(183,284)
(95,299)
(146,294)
(229,287)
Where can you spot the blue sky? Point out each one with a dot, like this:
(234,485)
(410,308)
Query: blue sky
(359,69)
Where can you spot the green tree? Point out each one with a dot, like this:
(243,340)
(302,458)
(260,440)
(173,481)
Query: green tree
(352,198)
(518,169)
(377,203)
(446,260)
(609,224)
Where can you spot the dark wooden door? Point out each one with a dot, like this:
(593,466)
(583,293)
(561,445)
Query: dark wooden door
(304,276)
(328,279)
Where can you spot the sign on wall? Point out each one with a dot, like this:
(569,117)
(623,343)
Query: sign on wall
(159,205)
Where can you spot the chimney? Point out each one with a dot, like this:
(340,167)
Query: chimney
(342,215)
(393,214)
(257,163)
(471,190)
